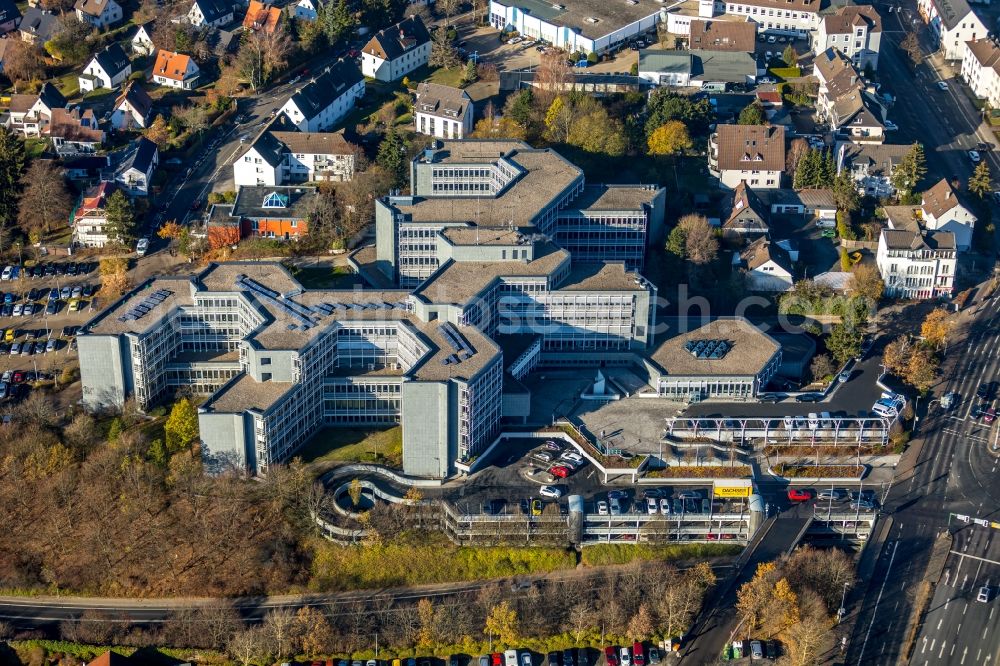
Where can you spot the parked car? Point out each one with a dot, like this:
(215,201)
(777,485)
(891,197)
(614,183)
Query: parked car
(808,397)
(638,657)
(831,494)
(654,656)
(559,471)
(625,657)
(984,594)
(142,247)
(552,445)
(689,495)
(986,390)
(942,85)
(510,656)
(611,656)
(536,510)
(551,492)
(542,456)
(974,156)
(652,506)
(567,658)
(525,659)
(769,397)
(891,126)
(616,506)
(990,415)
(50,346)
(665,507)
(949,400)
(65,293)
(799,494)
(756,650)
(844,376)
(602,508)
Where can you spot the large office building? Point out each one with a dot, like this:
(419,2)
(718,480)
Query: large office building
(471,285)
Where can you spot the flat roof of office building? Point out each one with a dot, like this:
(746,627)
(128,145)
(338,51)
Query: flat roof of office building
(113,322)
(243,393)
(606,276)
(591,18)
(615,197)
(750,349)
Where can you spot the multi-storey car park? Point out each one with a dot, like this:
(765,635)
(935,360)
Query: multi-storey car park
(471,289)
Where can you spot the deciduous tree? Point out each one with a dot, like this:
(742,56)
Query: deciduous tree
(262,54)
(22,62)
(502,624)
(670,138)
(866,282)
(181,428)
(979,183)
(911,45)
(821,366)
(752,114)
(45,204)
(936,327)
(701,246)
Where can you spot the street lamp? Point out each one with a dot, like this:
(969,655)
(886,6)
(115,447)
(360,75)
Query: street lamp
(842,611)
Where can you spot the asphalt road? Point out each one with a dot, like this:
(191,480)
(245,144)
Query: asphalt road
(953,473)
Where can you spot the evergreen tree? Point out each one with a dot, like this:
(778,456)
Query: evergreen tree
(752,114)
(120,217)
(980,184)
(470,74)
(390,155)
(910,171)
(12,164)
(827,171)
(807,170)
(337,21)
(845,193)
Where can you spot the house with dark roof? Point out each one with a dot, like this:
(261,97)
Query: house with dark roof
(394,52)
(85,168)
(142,40)
(745,217)
(696,68)
(845,102)
(211,13)
(871,165)
(30,115)
(818,205)
(280,158)
(134,172)
(37,25)
(855,31)
(767,266)
(442,111)
(916,263)
(107,69)
(320,103)
(981,69)
(307,10)
(99,13)
(943,209)
(274,212)
(133,108)
(952,23)
(10,16)
(754,154)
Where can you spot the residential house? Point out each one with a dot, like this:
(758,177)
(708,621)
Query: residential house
(99,13)
(767,265)
(211,13)
(107,69)
(818,205)
(855,31)
(30,115)
(10,16)
(754,154)
(326,99)
(135,171)
(844,102)
(871,165)
(133,108)
(274,212)
(38,25)
(261,16)
(393,52)
(142,40)
(745,219)
(175,70)
(915,263)
(952,23)
(75,132)
(797,18)
(734,36)
(442,111)
(769,96)
(85,168)
(307,10)
(943,210)
(280,158)
(981,70)
(669,67)
(90,216)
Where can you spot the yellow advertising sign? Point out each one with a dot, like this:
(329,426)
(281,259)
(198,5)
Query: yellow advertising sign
(732,491)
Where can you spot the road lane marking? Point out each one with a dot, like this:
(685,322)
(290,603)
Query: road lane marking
(974,557)
(878,600)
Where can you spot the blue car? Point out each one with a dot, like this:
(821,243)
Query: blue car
(8,298)
(53,295)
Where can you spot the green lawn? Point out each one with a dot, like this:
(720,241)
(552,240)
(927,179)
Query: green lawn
(68,84)
(326,277)
(35,146)
(446,77)
(355,445)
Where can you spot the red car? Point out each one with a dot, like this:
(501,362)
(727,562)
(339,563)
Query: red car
(990,415)
(611,655)
(638,656)
(559,471)
(497,659)
(799,495)
(18,377)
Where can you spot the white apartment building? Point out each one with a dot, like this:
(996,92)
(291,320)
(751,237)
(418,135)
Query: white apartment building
(952,23)
(442,111)
(917,264)
(981,69)
(788,17)
(942,210)
(751,154)
(855,31)
(394,52)
(283,158)
(318,105)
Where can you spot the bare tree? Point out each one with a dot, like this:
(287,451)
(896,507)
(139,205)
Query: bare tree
(280,628)
(796,150)
(247,646)
(22,62)
(45,203)
(551,77)
(261,55)
(449,8)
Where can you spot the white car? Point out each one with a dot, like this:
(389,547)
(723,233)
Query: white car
(984,594)
(830,494)
(651,506)
(665,507)
(771,39)
(891,126)
(551,492)
(625,657)
(974,156)
(8,272)
(942,85)
(18,310)
(602,508)
(142,246)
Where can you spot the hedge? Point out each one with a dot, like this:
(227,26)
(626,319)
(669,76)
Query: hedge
(786,72)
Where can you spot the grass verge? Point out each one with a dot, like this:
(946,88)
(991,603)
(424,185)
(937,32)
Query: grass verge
(604,554)
(355,445)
